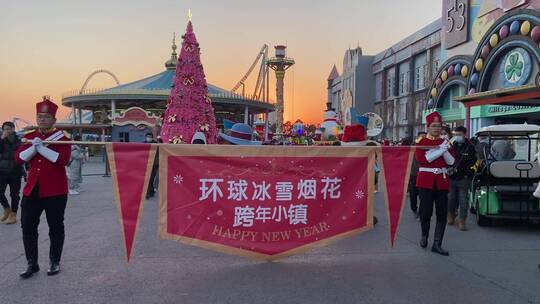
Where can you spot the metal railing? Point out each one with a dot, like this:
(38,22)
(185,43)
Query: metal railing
(93,91)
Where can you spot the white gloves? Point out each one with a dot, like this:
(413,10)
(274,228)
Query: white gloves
(36,142)
(38,147)
(448,158)
(444,145)
(433,154)
(49,154)
(28,154)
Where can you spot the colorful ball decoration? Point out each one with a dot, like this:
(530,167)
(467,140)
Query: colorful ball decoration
(457,69)
(444,75)
(438,82)
(485,51)
(503,32)
(465,71)
(434,92)
(430,103)
(514,27)
(535,34)
(479,64)
(525,28)
(474,79)
(494,40)
(451,71)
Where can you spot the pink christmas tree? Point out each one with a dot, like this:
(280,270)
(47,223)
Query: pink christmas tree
(189,108)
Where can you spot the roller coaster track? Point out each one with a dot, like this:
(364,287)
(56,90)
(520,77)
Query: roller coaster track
(263,71)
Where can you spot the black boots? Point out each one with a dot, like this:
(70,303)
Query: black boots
(425,233)
(55,253)
(423,241)
(32,268)
(54,268)
(31,250)
(438,237)
(438,249)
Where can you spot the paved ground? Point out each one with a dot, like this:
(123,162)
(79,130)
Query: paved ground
(486,265)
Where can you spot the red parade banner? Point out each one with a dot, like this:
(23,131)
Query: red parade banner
(259,202)
(396,168)
(131,165)
(264,203)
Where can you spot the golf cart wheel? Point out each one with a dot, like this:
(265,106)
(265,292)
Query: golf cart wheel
(482,221)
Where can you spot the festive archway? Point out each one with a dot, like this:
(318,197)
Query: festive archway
(508,54)
(454,72)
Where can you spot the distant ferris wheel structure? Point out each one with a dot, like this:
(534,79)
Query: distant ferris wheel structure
(98,72)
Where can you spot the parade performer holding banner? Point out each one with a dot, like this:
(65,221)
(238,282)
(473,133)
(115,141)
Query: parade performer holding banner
(433,181)
(46,189)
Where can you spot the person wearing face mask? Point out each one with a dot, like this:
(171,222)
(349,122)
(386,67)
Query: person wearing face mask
(461,174)
(10,172)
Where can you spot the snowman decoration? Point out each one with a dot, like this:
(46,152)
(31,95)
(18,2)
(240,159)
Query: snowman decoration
(330,127)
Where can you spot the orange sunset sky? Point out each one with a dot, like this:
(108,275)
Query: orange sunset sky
(50,47)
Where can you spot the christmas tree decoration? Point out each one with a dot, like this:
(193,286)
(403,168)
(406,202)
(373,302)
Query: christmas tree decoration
(189,109)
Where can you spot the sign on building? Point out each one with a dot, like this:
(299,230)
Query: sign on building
(455,21)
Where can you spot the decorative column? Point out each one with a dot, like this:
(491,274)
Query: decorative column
(468,119)
(113,110)
(73,114)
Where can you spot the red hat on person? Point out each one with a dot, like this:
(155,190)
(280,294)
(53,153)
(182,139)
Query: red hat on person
(433,117)
(46,107)
(354,133)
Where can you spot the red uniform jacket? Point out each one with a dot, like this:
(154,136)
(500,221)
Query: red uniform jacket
(51,177)
(428,180)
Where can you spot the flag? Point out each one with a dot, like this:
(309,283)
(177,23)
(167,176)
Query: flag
(396,168)
(131,167)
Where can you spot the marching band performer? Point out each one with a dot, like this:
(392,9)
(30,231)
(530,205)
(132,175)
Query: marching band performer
(433,181)
(46,189)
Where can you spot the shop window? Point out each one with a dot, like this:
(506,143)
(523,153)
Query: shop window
(123,136)
(420,77)
(403,111)
(404,83)
(390,83)
(379,86)
(447,99)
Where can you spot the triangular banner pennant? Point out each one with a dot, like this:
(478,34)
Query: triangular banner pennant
(396,167)
(131,167)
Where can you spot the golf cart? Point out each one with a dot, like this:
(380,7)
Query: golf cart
(503,185)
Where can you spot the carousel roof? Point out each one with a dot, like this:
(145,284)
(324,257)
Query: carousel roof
(160,82)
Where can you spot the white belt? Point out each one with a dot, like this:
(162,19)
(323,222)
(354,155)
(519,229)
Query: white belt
(442,171)
(434,170)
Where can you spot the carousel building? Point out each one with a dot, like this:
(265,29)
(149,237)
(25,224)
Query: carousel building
(128,111)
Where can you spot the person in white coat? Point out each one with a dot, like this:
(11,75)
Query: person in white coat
(75,165)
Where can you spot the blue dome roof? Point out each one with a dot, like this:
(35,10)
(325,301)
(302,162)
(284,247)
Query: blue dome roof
(160,82)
